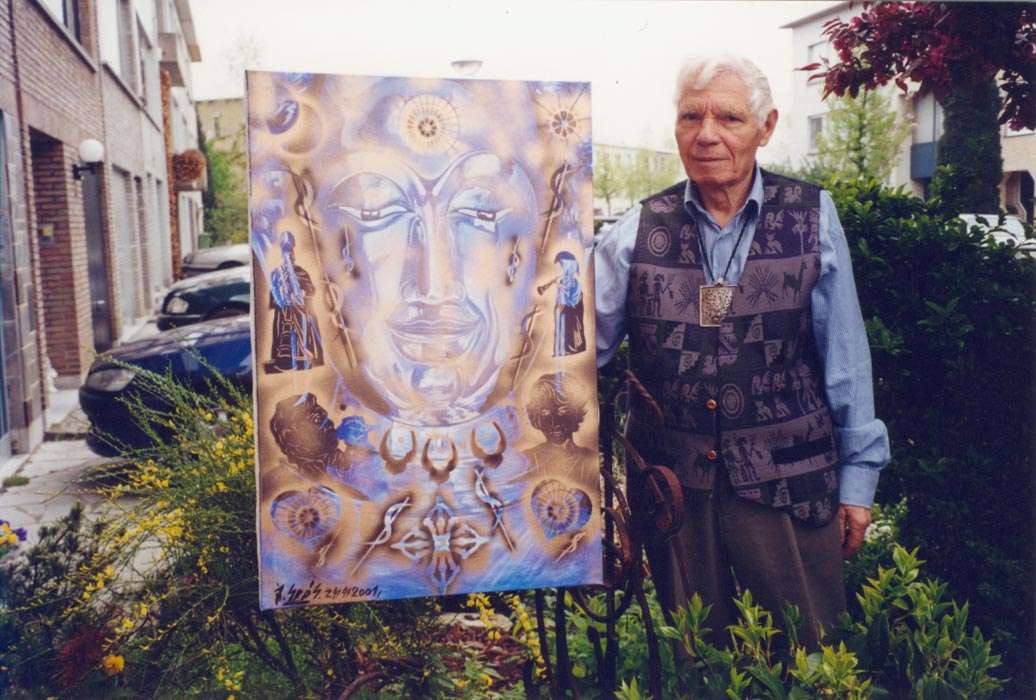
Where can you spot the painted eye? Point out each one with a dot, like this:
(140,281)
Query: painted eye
(479,214)
(374,216)
(369,199)
(485,219)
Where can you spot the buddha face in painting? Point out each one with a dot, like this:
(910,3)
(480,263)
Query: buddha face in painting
(436,211)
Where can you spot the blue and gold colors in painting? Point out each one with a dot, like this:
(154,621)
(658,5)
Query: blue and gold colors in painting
(425,380)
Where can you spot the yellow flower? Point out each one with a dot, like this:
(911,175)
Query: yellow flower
(127,625)
(487,679)
(113,664)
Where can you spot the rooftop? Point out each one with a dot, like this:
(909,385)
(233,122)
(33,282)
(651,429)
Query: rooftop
(828,10)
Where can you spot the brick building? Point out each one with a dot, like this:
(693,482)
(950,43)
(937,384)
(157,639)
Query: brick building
(84,254)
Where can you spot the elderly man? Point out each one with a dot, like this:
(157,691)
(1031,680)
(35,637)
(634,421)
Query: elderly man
(754,348)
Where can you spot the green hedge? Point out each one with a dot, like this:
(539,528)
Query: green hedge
(950,317)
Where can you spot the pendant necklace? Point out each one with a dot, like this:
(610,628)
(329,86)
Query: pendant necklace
(714,299)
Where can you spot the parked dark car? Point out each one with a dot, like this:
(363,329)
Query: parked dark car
(225,344)
(218,257)
(205,297)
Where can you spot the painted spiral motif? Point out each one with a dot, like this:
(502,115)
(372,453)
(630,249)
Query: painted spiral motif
(563,123)
(428,124)
(306,515)
(558,508)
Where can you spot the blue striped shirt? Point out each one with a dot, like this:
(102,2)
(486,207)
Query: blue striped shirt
(863,443)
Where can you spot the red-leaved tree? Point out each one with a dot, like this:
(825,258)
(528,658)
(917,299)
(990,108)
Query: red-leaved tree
(945,47)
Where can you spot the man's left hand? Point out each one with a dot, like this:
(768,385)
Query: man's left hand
(853,521)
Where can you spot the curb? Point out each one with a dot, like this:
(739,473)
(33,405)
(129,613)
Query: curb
(61,435)
(12,466)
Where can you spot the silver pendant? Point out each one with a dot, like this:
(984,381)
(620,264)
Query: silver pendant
(714,303)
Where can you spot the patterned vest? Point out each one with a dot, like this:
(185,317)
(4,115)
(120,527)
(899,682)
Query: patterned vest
(747,397)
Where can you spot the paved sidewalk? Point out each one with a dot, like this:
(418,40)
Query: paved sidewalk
(58,475)
(41,487)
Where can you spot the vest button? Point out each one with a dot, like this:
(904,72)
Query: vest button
(711,404)
(711,455)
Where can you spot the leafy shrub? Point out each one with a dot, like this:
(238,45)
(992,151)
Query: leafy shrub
(914,642)
(44,639)
(909,642)
(226,198)
(877,549)
(950,319)
(159,596)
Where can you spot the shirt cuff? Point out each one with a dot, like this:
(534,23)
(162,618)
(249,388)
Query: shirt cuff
(857,485)
(865,445)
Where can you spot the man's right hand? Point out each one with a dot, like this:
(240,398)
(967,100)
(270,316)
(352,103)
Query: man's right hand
(853,522)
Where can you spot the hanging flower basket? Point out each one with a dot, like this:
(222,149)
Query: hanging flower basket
(188,166)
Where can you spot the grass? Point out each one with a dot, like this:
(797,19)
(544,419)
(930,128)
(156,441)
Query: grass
(16,480)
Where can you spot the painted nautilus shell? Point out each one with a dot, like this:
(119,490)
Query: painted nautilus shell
(306,515)
(558,508)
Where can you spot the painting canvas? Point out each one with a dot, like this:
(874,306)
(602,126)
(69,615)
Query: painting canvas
(423,336)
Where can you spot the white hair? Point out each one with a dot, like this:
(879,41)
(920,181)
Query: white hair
(698,71)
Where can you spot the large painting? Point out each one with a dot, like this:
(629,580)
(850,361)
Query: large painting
(423,336)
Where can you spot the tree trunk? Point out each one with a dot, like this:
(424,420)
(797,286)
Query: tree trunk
(969,150)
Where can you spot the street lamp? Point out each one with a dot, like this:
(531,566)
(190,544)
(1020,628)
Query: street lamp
(467,67)
(91,152)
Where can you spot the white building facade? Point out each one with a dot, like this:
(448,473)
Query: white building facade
(916,161)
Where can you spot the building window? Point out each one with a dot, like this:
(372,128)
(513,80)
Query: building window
(147,17)
(143,50)
(818,50)
(816,127)
(66,12)
(1008,131)
(108,34)
(143,82)
(116,33)
(127,32)
(217,126)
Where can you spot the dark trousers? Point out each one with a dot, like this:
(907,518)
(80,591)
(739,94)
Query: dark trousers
(729,544)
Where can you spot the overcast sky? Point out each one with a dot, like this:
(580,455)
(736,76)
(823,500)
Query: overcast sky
(628,50)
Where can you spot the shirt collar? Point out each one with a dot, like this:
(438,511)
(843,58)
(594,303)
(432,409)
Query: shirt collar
(692,200)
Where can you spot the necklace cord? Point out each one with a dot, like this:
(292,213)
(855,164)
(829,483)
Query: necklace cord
(747,218)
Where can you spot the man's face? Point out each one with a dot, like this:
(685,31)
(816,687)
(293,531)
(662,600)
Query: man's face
(557,422)
(303,428)
(718,134)
(432,234)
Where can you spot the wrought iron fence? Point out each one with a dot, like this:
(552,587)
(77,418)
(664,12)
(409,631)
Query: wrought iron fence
(658,512)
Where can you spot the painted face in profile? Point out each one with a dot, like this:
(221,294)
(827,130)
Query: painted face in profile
(438,209)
